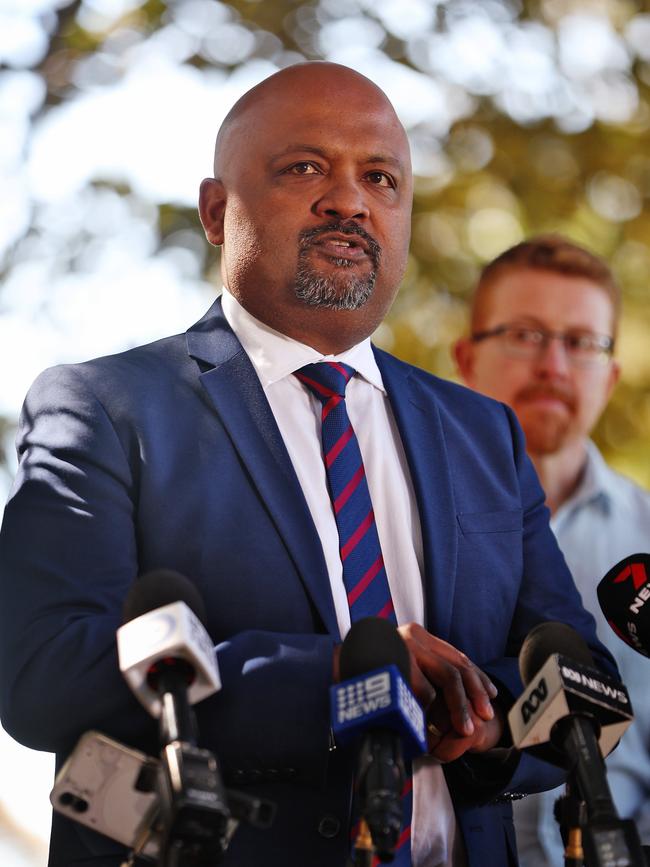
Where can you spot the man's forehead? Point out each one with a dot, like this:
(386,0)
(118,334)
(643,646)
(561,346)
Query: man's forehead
(317,81)
(309,97)
(542,294)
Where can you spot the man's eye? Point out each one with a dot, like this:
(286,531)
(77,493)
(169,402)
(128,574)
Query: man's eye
(302,169)
(381,179)
(579,342)
(526,336)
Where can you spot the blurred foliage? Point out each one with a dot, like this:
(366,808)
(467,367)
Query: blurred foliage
(495,175)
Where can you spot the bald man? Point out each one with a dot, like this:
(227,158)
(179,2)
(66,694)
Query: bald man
(204,453)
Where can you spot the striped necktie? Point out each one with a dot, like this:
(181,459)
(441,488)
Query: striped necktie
(364,574)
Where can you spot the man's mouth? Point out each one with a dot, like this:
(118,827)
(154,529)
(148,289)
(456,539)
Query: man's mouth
(349,243)
(350,247)
(548,397)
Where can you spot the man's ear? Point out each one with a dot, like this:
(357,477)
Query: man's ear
(463,352)
(212,205)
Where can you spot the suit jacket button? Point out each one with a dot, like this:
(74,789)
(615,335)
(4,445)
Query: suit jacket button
(329,826)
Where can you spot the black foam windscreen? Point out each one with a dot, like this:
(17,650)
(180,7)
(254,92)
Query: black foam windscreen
(371,643)
(548,638)
(161,587)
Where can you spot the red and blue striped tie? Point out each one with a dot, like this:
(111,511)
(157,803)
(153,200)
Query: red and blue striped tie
(364,575)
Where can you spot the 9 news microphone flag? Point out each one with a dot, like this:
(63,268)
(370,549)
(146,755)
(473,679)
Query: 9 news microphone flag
(373,707)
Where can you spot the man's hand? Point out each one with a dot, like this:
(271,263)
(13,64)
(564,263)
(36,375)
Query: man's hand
(463,710)
(446,744)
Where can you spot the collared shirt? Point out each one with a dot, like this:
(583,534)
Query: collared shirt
(606,519)
(297,412)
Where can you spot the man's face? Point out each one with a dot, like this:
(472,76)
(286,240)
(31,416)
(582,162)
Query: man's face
(556,400)
(315,181)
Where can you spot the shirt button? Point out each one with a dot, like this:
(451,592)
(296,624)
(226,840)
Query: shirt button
(329,826)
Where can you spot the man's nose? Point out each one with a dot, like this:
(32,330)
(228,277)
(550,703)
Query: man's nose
(344,199)
(552,360)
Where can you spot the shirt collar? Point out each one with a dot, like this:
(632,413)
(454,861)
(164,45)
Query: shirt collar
(275,355)
(593,487)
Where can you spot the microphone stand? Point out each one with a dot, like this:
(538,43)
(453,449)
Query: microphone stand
(195,817)
(604,838)
(570,814)
(363,851)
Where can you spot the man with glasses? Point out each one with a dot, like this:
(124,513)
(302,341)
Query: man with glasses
(543,328)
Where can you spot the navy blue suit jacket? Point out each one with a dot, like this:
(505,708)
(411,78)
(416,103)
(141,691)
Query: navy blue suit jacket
(169,456)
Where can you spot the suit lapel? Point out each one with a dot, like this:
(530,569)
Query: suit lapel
(423,438)
(235,390)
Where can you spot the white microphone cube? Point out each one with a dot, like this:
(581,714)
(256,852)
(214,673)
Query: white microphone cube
(169,631)
(562,687)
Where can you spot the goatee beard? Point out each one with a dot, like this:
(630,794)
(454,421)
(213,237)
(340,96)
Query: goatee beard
(335,292)
(338,291)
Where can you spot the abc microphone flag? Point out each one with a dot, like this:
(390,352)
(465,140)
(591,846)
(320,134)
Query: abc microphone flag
(624,597)
(561,682)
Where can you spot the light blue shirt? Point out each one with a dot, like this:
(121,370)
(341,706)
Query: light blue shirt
(606,519)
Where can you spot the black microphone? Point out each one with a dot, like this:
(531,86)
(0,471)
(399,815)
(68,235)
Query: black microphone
(623,595)
(165,653)
(374,706)
(571,714)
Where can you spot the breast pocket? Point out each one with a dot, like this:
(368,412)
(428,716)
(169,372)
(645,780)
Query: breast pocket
(488,576)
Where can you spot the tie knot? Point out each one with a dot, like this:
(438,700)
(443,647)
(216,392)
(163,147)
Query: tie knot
(326,378)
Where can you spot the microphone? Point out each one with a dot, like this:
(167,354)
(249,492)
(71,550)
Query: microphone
(373,707)
(168,660)
(571,714)
(562,682)
(623,595)
(163,635)
(175,810)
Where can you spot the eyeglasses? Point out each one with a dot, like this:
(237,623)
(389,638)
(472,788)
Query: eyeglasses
(522,341)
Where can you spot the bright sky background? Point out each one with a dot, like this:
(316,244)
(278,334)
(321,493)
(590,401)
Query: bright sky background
(91,279)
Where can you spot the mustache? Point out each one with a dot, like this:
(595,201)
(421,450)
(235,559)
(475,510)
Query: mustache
(558,391)
(344,227)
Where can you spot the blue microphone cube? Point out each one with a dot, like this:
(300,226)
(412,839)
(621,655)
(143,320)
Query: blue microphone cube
(379,699)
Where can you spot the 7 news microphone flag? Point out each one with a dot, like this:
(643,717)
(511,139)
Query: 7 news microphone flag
(624,597)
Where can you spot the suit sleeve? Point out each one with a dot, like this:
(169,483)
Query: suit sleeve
(68,556)
(547,593)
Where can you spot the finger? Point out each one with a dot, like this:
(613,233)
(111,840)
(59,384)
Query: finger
(479,688)
(432,652)
(478,685)
(453,689)
(450,747)
(434,736)
(462,682)
(423,689)
(448,678)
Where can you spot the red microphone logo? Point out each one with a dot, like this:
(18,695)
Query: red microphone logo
(635,571)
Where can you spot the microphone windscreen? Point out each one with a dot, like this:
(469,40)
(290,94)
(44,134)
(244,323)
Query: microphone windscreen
(372,643)
(158,588)
(548,638)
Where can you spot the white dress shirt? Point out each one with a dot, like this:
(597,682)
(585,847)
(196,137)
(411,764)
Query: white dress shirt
(434,838)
